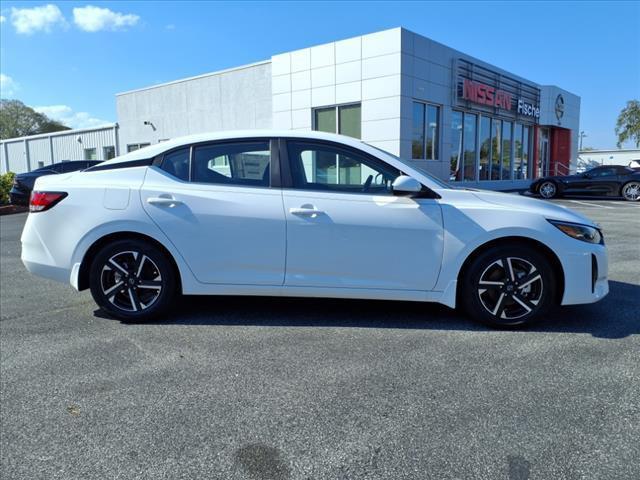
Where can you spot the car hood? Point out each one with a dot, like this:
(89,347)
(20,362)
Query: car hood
(545,208)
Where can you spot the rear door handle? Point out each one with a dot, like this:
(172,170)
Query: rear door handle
(163,201)
(305,212)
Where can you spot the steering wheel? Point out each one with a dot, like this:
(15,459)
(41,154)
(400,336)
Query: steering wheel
(367,183)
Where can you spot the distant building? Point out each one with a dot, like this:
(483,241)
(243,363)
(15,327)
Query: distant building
(592,158)
(24,154)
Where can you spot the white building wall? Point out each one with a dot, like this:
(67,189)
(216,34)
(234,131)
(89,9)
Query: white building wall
(593,158)
(570,118)
(239,98)
(28,153)
(365,69)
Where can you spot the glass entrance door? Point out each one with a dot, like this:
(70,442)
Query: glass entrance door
(543,148)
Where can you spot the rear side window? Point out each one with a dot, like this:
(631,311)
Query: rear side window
(67,167)
(176,163)
(238,163)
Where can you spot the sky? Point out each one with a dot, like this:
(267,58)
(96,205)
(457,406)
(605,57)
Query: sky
(69,59)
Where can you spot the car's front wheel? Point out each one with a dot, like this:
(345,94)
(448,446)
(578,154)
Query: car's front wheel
(508,286)
(631,191)
(548,189)
(132,280)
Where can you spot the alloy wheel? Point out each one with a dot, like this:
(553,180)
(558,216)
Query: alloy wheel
(510,288)
(547,190)
(131,281)
(631,191)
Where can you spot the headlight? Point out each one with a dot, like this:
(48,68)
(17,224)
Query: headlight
(579,232)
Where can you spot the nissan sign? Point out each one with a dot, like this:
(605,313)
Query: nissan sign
(483,94)
(528,109)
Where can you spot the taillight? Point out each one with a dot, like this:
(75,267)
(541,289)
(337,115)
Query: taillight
(41,201)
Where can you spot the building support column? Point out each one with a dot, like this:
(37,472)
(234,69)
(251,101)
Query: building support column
(51,150)
(26,154)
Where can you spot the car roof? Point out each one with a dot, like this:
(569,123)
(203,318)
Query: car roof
(156,149)
(159,148)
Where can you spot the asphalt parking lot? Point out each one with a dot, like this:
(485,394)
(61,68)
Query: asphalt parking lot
(255,388)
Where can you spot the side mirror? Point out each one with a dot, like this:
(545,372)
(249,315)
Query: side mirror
(406,186)
(586,175)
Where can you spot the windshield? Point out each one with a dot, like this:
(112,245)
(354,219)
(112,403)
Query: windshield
(434,179)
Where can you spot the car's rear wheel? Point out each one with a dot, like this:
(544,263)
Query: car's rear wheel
(631,191)
(548,189)
(132,280)
(508,286)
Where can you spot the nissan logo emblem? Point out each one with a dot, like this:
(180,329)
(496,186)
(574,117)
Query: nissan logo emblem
(559,107)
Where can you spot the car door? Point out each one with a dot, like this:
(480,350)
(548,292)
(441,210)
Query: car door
(597,181)
(345,228)
(215,203)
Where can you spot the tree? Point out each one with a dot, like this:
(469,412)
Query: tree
(19,120)
(628,124)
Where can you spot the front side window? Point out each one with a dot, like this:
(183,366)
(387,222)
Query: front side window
(241,163)
(332,168)
(425,131)
(603,172)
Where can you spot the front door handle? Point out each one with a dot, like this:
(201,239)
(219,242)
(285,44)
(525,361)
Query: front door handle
(163,201)
(305,212)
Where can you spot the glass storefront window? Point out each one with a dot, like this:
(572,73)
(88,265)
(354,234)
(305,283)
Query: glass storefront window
(345,120)
(485,147)
(329,168)
(425,132)
(417,133)
(325,120)
(517,152)
(456,146)
(525,152)
(506,150)
(496,148)
(433,132)
(469,146)
(349,121)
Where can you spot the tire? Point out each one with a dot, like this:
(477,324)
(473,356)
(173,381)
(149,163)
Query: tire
(132,280)
(548,189)
(630,191)
(493,295)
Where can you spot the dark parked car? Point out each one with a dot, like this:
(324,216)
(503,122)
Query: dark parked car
(23,183)
(612,181)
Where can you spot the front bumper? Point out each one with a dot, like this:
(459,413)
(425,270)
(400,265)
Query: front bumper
(586,275)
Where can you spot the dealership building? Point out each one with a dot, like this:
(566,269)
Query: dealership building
(462,119)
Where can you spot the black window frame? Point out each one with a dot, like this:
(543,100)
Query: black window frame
(287,174)
(274,165)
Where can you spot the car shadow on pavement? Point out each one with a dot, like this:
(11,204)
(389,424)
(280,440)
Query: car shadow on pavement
(617,316)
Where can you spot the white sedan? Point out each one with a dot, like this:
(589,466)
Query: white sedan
(303,214)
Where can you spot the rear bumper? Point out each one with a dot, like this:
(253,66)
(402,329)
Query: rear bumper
(37,258)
